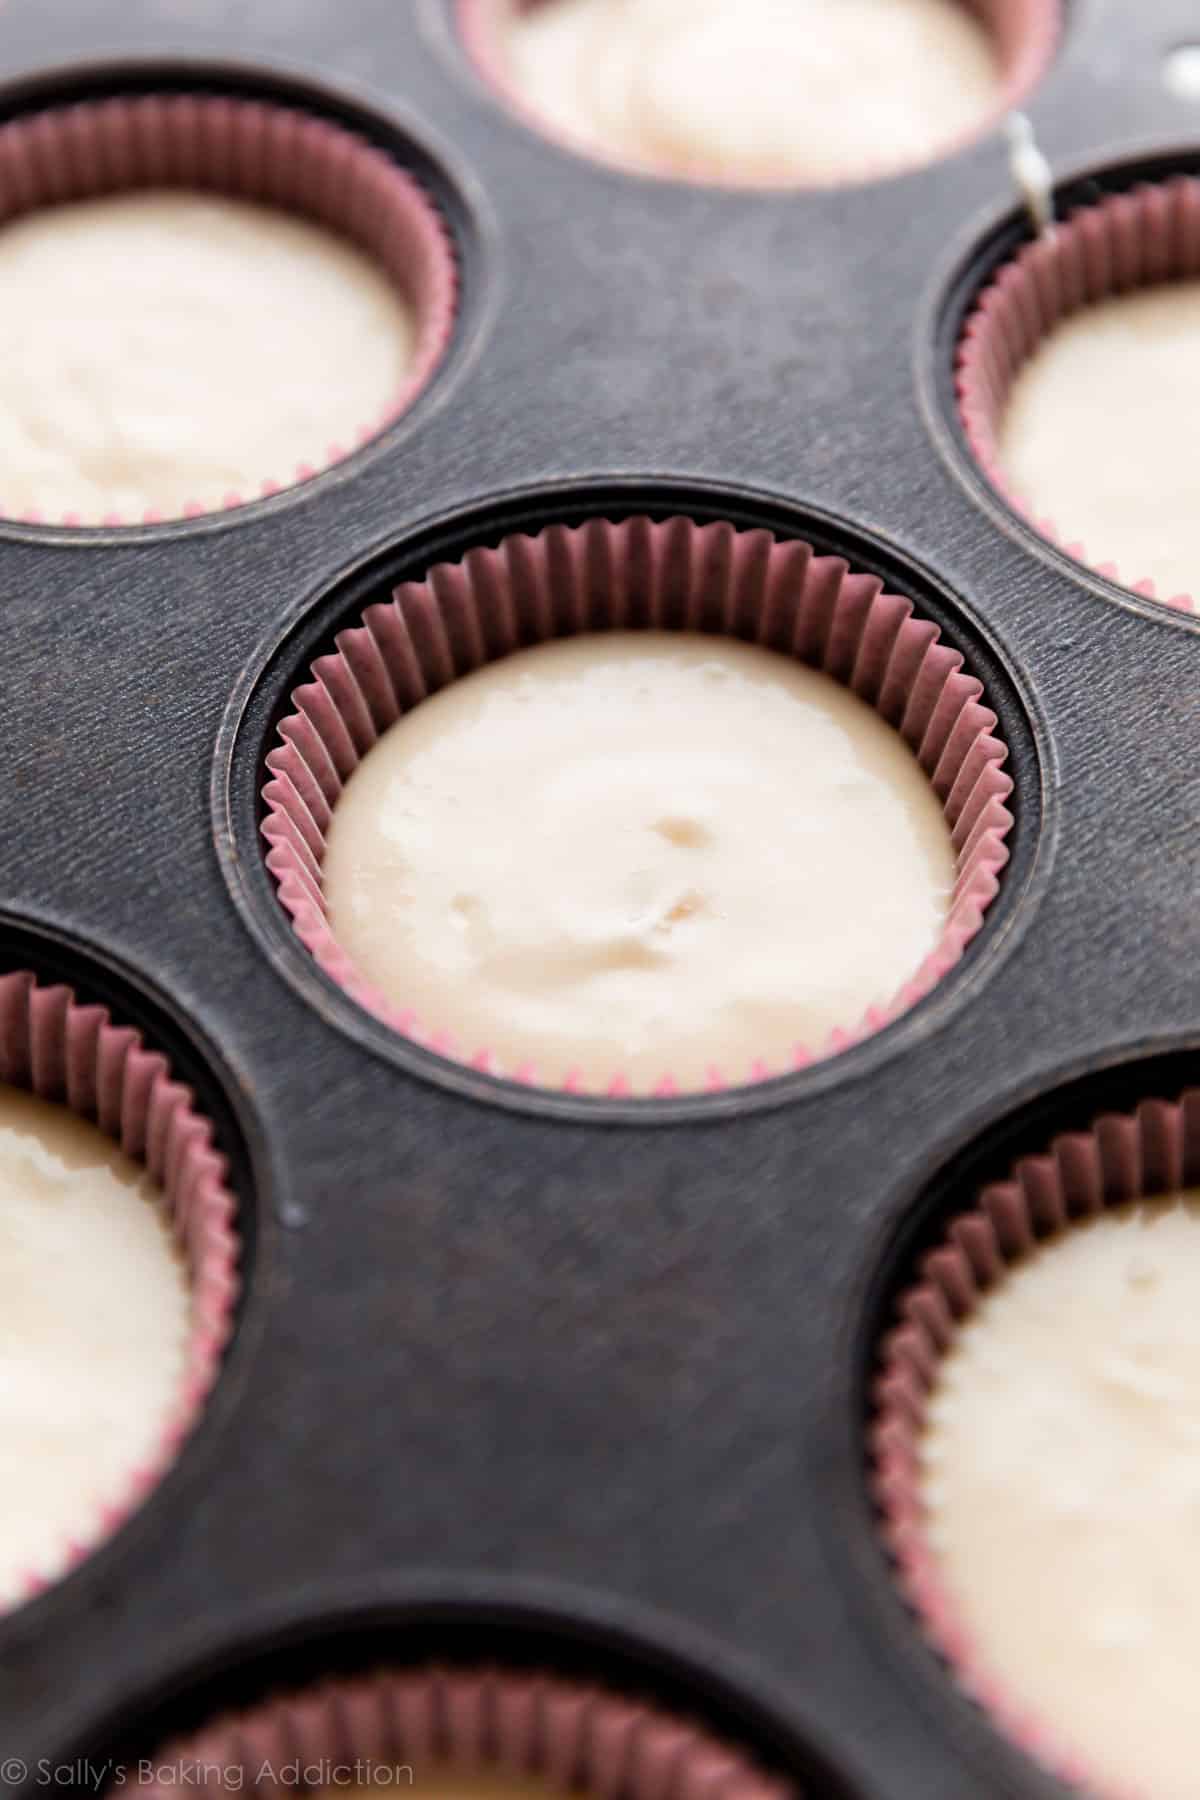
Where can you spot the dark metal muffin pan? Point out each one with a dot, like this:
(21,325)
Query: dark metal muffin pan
(515,1374)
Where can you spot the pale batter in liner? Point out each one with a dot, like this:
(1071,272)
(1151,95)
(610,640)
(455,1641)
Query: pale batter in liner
(556,919)
(205,299)
(1061,1461)
(166,349)
(118,1250)
(1098,436)
(686,83)
(1077,375)
(1036,1450)
(763,91)
(639,851)
(93,1329)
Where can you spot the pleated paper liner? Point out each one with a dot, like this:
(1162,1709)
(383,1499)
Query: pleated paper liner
(1125,242)
(398,1728)
(674,575)
(1150,1152)
(75,1055)
(1024,36)
(256,151)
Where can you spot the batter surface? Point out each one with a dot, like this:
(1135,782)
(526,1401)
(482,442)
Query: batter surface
(1097,434)
(1062,1475)
(639,852)
(167,347)
(756,89)
(93,1330)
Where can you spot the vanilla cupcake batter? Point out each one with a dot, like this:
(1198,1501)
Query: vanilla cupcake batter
(1061,1469)
(93,1331)
(162,348)
(756,90)
(1097,434)
(639,852)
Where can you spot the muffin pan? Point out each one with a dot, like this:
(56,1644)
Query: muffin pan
(534,1379)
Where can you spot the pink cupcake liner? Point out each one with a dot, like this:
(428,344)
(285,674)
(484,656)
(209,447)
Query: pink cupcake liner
(1124,1156)
(73,1054)
(1024,35)
(677,576)
(572,1735)
(256,151)
(1137,239)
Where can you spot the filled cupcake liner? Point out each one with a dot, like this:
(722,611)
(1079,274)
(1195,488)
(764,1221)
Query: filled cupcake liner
(255,151)
(74,1055)
(1127,241)
(1024,35)
(572,1735)
(1123,1157)
(673,575)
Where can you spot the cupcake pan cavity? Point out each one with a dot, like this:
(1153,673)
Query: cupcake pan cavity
(670,574)
(1143,236)
(88,1040)
(1145,1153)
(252,150)
(511,1354)
(570,1735)
(76,1055)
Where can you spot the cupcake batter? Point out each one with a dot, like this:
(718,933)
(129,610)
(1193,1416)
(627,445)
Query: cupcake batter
(1062,1476)
(1097,434)
(639,852)
(756,90)
(165,347)
(93,1331)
